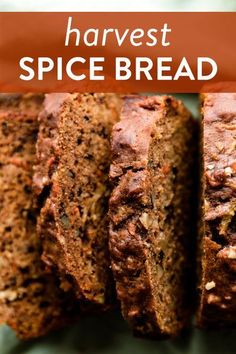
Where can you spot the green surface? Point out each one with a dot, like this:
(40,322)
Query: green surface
(109,334)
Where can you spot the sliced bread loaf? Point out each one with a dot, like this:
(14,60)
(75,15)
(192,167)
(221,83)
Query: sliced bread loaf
(71,181)
(152,212)
(218,228)
(30,300)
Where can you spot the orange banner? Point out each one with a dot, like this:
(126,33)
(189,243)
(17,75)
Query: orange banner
(117,52)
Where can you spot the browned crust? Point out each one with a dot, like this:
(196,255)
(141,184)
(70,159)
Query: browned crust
(30,299)
(130,145)
(129,247)
(218,285)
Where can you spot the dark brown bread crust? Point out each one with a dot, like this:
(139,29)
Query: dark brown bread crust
(138,231)
(71,181)
(30,300)
(218,284)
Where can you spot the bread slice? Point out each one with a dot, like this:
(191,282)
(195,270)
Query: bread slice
(71,180)
(218,229)
(152,212)
(30,300)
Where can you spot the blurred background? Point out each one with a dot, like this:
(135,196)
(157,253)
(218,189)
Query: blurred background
(108,333)
(117,5)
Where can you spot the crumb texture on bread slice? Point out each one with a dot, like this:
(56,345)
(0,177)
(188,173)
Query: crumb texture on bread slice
(30,300)
(152,211)
(71,181)
(218,230)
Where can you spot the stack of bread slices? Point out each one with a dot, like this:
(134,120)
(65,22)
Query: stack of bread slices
(109,200)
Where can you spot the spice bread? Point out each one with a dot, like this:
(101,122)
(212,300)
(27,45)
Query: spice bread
(71,181)
(218,228)
(30,299)
(152,211)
